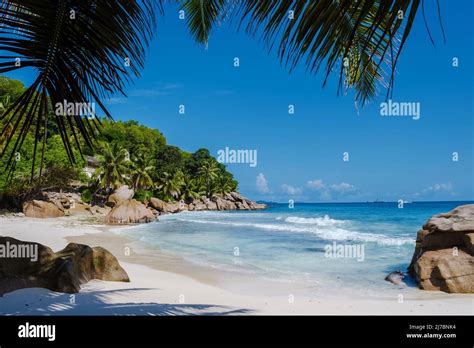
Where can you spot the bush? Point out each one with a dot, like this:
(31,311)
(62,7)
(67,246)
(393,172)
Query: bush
(143,195)
(86,196)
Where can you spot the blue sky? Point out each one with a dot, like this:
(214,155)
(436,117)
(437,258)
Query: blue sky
(300,156)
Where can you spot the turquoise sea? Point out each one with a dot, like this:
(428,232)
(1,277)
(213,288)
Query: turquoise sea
(291,244)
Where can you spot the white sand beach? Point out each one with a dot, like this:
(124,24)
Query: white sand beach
(164,285)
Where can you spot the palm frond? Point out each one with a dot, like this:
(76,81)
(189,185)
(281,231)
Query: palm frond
(79,49)
(201,17)
(322,34)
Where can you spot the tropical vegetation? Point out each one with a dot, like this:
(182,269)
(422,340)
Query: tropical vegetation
(85,51)
(127,153)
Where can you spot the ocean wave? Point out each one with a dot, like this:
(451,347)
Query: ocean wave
(324,221)
(329,233)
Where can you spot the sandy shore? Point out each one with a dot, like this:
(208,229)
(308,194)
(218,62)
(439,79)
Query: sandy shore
(168,285)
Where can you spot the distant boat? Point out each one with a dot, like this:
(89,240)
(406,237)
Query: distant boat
(378,201)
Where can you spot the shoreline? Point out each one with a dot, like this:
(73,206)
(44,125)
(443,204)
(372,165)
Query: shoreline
(163,284)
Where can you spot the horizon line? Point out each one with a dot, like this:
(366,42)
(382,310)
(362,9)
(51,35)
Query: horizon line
(381,202)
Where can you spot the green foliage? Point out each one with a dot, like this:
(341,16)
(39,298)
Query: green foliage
(113,166)
(143,195)
(80,61)
(10,90)
(169,159)
(20,188)
(169,186)
(132,137)
(124,153)
(141,170)
(208,173)
(86,195)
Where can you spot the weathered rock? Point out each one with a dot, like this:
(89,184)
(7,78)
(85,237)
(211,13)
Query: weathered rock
(63,200)
(242,205)
(446,270)
(469,242)
(79,209)
(164,207)
(64,271)
(41,209)
(443,258)
(221,203)
(198,205)
(156,203)
(98,210)
(396,278)
(172,208)
(129,211)
(231,201)
(237,197)
(229,197)
(183,206)
(210,205)
(121,194)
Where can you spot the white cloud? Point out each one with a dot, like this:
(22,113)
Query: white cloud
(441,187)
(262,184)
(328,192)
(343,187)
(437,189)
(291,190)
(316,185)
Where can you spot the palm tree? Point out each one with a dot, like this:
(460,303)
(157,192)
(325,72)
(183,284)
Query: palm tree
(190,189)
(141,171)
(224,185)
(169,185)
(85,51)
(113,166)
(82,51)
(208,172)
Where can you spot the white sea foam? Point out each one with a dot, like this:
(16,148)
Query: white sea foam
(328,231)
(324,221)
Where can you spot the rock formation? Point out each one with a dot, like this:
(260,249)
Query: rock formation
(231,201)
(54,204)
(121,194)
(129,211)
(42,209)
(121,208)
(444,257)
(63,271)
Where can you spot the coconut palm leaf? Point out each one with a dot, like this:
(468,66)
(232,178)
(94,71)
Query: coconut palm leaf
(201,17)
(113,166)
(368,34)
(80,50)
(141,171)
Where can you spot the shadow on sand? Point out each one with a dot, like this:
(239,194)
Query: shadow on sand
(44,302)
